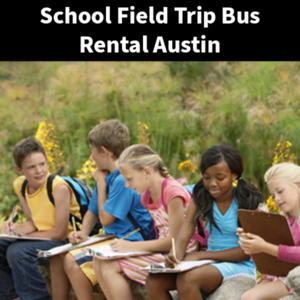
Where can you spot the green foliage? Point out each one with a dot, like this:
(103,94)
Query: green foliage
(188,107)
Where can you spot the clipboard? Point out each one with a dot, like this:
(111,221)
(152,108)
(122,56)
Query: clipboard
(106,253)
(273,228)
(182,267)
(69,247)
(16,237)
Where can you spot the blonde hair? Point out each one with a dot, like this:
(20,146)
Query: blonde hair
(141,156)
(289,172)
(111,134)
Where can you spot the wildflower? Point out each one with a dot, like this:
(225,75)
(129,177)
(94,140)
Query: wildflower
(282,152)
(186,166)
(272,206)
(87,169)
(47,136)
(143,135)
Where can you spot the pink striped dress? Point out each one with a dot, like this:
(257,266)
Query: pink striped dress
(171,189)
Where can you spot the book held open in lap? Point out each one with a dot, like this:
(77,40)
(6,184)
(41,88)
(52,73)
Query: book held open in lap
(69,247)
(273,228)
(182,267)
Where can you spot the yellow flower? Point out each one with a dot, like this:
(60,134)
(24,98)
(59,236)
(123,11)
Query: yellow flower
(47,136)
(186,166)
(143,135)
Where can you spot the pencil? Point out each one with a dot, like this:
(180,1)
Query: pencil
(12,218)
(129,234)
(74,226)
(174,253)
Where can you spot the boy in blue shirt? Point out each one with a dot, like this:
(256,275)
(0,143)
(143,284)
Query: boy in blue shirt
(111,202)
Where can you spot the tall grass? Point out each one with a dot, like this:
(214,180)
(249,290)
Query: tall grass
(188,107)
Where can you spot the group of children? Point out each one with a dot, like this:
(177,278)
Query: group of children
(133,184)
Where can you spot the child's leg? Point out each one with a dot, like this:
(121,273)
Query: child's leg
(81,284)
(7,289)
(204,279)
(60,284)
(159,285)
(111,279)
(267,290)
(22,258)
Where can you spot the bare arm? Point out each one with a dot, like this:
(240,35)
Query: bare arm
(23,228)
(62,200)
(106,218)
(176,217)
(234,254)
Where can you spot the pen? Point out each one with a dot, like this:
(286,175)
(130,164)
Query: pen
(174,253)
(129,234)
(12,218)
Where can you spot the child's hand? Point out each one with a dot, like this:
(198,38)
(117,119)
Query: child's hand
(77,237)
(251,243)
(5,227)
(17,229)
(122,246)
(171,261)
(99,175)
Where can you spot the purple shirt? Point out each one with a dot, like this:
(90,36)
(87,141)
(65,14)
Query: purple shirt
(291,253)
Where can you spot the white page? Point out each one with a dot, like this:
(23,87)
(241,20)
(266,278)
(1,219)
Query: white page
(15,237)
(106,251)
(69,246)
(183,266)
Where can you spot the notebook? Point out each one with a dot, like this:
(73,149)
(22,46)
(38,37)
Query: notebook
(69,247)
(273,228)
(105,252)
(182,267)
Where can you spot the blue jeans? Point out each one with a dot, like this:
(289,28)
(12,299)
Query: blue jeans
(19,273)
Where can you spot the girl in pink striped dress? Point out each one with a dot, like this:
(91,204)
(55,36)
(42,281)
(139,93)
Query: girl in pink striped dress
(166,200)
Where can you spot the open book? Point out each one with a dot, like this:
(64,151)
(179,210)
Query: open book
(183,266)
(106,252)
(69,247)
(17,237)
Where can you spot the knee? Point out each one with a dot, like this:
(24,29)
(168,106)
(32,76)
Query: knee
(151,283)
(69,263)
(247,296)
(155,284)
(185,281)
(18,255)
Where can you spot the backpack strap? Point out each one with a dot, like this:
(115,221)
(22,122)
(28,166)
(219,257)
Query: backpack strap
(23,190)
(198,237)
(136,225)
(117,174)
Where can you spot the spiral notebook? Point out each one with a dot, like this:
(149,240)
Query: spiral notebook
(273,228)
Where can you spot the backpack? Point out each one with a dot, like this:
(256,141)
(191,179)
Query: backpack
(153,231)
(83,194)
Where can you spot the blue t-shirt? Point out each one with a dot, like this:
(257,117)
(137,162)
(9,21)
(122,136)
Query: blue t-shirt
(120,201)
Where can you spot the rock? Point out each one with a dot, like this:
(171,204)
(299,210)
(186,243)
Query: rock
(293,282)
(138,290)
(230,290)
